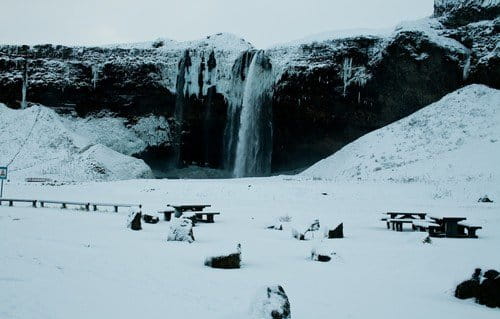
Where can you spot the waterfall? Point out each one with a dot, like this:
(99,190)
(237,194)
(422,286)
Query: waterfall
(24,89)
(234,100)
(95,75)
(253,151)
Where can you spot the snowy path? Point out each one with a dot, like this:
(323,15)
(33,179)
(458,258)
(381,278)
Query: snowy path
(69,264)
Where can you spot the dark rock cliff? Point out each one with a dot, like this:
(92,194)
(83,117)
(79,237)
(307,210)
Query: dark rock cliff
(325,95)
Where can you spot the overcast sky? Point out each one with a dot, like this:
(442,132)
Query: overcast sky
(261,22)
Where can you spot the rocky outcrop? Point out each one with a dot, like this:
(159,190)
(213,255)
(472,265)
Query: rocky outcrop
(462,12)
(325,94)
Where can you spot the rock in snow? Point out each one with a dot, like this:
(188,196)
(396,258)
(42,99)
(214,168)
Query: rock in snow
(454,139)
(181,229)
(43,146)
(271,303)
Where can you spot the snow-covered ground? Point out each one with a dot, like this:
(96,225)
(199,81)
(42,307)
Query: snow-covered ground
(454,140)
(36,142)
(74,264)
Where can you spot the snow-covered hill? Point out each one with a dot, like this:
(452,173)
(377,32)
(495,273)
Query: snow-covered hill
(36,143)
(456,139)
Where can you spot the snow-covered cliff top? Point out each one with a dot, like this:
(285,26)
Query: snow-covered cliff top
(219,41)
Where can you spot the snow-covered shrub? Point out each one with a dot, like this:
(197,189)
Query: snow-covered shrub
(231,261)
(181,230)
(271,303)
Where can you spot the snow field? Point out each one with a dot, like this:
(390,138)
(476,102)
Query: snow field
(67,263)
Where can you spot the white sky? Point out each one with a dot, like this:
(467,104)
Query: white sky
(261,22)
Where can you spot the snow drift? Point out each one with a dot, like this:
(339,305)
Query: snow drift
(455,139)
(36,143)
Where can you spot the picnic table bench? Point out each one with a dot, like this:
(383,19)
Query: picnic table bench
(427,226)
(471,230)
(95,205)
(11,201)
(402,215)
(397,223)
(87,205)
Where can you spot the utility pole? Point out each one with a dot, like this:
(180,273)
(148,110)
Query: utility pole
(3,175)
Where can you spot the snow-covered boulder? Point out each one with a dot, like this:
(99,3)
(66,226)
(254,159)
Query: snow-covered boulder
(181,229)
(37,143)
(271,303)
(455,139)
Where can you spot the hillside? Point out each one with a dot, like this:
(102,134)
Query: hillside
(36,143)
(453,140)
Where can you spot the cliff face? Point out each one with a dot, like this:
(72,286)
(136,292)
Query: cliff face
(324,94)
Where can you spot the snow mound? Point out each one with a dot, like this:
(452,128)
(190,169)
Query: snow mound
(36,143)
(114,132)
(456,139)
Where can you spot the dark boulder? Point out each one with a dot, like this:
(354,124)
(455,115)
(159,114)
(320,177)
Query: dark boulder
(485,199)
(231,261)
(469,288)
(271,303)
(135,221)
(489,290)
(148,219)
(338,232)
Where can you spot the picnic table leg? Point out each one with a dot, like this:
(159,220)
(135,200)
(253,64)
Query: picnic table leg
(471,232)
(11,203)
(168,216)
(34,203)
(116,209)
(388,225)
(210,218)
(42,204)
(94,207)
(87,207)
(63,205)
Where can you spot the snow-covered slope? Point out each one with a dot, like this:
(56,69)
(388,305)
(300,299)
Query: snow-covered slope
(116,133)
(36,143)
(456,139)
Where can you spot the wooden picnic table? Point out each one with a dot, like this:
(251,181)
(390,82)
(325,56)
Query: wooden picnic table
(404,215)
(449,226)
(193,208)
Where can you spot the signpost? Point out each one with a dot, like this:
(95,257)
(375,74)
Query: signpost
(3,175)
